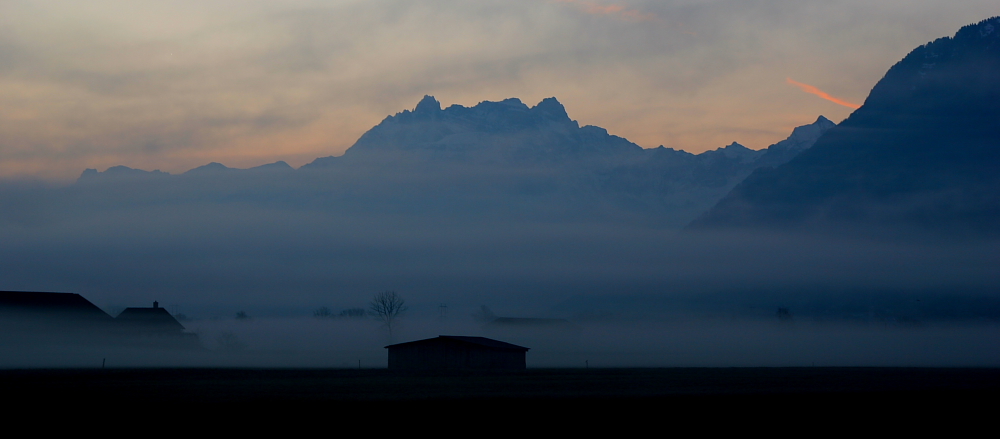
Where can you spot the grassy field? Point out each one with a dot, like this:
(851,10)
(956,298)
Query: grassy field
(592,395)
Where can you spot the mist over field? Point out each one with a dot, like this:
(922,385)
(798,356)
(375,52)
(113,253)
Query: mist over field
(680,342)
(450,236)
(210,258)
(635,294)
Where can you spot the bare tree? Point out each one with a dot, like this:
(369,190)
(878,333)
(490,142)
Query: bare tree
(484,315)
(386,307)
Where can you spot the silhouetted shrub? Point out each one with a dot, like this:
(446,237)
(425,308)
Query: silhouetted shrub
(355,313)
(784,315)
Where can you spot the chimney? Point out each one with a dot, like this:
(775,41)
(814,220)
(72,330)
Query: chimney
(156,304)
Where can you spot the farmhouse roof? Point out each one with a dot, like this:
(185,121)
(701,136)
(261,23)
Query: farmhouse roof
(25,301)
(154,318)
(480,341)
(528,321)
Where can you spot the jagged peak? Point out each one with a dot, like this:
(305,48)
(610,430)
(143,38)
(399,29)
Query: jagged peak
(551,108)
(594,129)
(664,150)
(513,101)
(733,151)
(278,165)
(822,120)
(987,27)
(120,169)
(427,105)
(971,32)
(211,167)
(509,103)
(812,130)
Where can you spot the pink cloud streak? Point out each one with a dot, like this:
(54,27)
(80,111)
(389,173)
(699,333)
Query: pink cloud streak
(813,90)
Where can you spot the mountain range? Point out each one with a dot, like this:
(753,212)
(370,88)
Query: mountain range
(921,155)
(521,207)
(495,158)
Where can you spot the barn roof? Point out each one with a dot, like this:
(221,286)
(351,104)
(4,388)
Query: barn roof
(35,302)
(528,321)
(480,341)
(155,318)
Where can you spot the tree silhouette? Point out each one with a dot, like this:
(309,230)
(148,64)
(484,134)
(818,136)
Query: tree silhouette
(229,342)
(354,313)
(386,307)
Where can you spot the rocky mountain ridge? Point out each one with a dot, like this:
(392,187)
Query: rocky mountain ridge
(494,156)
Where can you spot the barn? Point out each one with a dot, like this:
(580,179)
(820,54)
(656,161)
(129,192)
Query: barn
(51,318)
(153,320)
(69,319)
(154,327)
(454,352)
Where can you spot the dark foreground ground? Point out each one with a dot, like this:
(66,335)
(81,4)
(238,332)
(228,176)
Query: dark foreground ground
(577,398)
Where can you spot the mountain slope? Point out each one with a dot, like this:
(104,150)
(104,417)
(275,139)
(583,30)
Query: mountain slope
(921,154)
(539,153)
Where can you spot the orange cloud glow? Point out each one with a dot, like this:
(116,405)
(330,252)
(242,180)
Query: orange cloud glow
(810,89)
(616,10)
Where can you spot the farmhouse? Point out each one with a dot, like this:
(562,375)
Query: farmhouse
(29,317)
(154,327)
(153,320)
(69,319)
(454,352)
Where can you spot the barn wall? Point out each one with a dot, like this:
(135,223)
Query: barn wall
(437,355)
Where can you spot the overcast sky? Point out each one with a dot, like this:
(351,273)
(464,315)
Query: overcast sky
(173,84)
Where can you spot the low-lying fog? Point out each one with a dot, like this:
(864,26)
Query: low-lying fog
(633,293)
(712,342)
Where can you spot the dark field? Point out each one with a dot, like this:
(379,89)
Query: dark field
(601,396)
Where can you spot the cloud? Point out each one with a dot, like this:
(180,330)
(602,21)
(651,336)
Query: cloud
(171,86)
(619,11)
(813,90)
